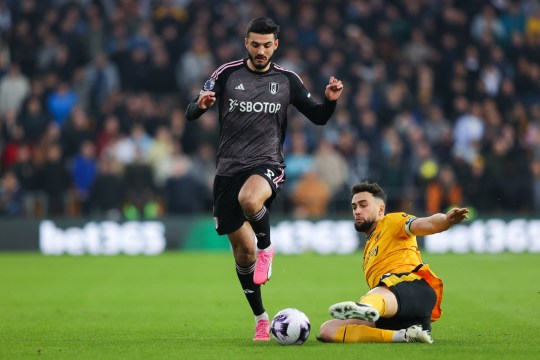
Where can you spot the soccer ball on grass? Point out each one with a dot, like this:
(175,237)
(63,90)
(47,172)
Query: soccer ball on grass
(290,327)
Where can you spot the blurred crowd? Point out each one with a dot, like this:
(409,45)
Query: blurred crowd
(441,104)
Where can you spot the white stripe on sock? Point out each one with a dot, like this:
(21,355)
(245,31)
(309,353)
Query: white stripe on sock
(246,270)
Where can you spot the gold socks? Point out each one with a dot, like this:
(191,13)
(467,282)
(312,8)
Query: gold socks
(362,334)
(376,301)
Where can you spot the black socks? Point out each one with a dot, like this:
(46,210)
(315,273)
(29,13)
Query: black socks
(252,291)
(260,223)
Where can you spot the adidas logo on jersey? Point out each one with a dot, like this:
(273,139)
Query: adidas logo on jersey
(240,87)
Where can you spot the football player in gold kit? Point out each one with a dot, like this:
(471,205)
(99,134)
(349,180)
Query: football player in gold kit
(405,294)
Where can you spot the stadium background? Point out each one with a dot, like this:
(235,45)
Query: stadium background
(440,94)
(441,106)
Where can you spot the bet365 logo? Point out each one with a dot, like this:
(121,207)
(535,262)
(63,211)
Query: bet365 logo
(103,238)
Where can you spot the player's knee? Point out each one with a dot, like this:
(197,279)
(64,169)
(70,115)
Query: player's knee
(249,204)
(327,332)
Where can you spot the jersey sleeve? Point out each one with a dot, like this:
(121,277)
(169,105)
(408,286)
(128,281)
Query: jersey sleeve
(401,222)
(212,84)
(301,98)
(193,111)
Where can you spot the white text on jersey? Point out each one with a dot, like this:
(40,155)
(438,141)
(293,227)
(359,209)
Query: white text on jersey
(248,106)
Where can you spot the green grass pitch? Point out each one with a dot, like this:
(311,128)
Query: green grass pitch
(186,305)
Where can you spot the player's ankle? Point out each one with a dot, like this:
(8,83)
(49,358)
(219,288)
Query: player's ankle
(399,336)
(263,316)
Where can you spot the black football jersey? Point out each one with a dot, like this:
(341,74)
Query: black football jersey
(253,113)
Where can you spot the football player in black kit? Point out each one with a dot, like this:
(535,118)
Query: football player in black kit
(253,95)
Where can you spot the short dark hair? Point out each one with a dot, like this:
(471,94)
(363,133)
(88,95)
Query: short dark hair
(262,25)
(372,188)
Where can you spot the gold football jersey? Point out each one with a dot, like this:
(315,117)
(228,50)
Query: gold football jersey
(392,249)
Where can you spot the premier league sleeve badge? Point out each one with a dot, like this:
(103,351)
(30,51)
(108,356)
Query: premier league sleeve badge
(209,84)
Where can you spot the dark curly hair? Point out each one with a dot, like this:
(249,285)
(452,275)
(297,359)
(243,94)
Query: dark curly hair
(373,188)
(262,25)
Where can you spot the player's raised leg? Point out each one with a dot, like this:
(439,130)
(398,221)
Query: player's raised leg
(379,301)
(244,251)
(252,197)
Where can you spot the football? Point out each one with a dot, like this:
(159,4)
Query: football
(290,327)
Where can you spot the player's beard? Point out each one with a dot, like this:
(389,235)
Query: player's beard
(259,66)
(365,226)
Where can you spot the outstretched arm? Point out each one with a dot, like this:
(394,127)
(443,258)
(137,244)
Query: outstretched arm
(316,112)
(438,222)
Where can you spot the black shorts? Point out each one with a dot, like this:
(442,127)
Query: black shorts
(228,214)
(416,300)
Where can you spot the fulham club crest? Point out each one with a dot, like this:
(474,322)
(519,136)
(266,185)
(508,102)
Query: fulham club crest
(274,87)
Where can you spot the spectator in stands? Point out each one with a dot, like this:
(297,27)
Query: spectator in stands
(512,20)
(487,22)
(76,130)
(83,173)
(12,136)
(82,91)
(392,166)
(206,130)
(108,135)
(443,192)
(5,17)
(417,50)
(37,90)
(477,188)
(135,73)
(532,24)
(360,165)
(47,49)
(96,36)
(310,197)
(160,154)
(204,166)
(346,145)
(194,64)
(34,120)
(11,195)
(14,88)
(367,127)
(184,193)
(330,168)
(23,43)
(54,179)
(133,148)
(437,129)
(63,64)
(25,169)
(298,161)
(468,130)
(61,102)
(160,77)
(102,78)
(107,189)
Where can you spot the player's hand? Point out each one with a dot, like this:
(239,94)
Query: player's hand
(206,99)
(333,89)
(457,215)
